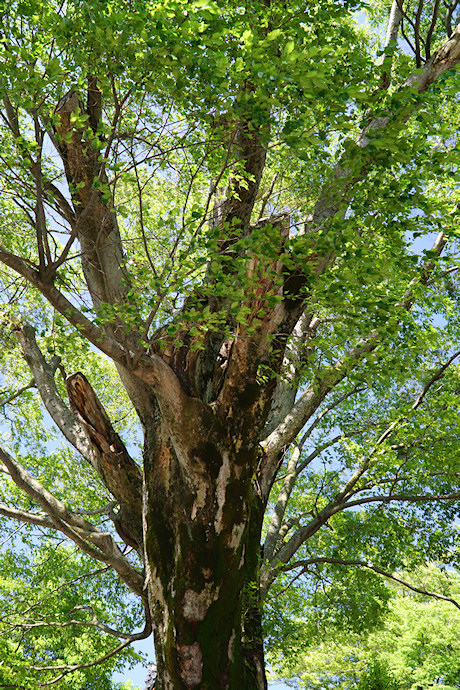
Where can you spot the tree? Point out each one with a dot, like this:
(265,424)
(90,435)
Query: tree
(218,200)
(414,643)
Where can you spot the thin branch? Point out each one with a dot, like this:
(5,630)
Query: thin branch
(406,498)
(76,667)
(328,379)
(348,394)
(341,500)
(266,198)
(391,427)
(375,569)
(417,36)
(431,28)
(63,585)
(448,18)
(439,373)
(347,173)
(17,393)
(11,535)
(320,449)
(445,273)
(94,623)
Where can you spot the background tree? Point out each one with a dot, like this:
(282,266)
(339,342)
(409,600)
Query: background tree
(208,220)
(413,643)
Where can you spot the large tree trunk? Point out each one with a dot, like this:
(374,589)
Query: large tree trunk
(202,553)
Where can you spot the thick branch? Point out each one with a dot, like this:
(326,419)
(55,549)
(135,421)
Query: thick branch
(25,516)
(96,224)
(287,384)
(314,395)
(92,435)
(43,374)
(83,533)
(325,381)
(341,500)
(281,503)
(94,334)
(391,38)
(347,172)
(187,418)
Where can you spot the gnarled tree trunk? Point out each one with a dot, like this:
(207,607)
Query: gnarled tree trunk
(202,545)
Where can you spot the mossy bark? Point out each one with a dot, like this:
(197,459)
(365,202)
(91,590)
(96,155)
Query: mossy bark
(202,544)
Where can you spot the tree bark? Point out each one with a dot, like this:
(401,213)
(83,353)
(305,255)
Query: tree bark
(202,555)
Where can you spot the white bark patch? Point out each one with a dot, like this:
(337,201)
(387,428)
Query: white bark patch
(200,500)
(201,496)
(235,537)
(230,646)
(191,664)
(221,486)
(196,604)
(194,509)
(243,553)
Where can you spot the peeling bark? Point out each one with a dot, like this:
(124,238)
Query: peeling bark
(114,465)
(201,569)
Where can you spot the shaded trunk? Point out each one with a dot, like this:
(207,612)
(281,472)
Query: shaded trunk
(202,553)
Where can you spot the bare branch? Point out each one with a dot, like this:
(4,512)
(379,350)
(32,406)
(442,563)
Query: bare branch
(43,374)
(18,393)
(70,669)
(393,23)
(97,544)
(26,516)
(94,334)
